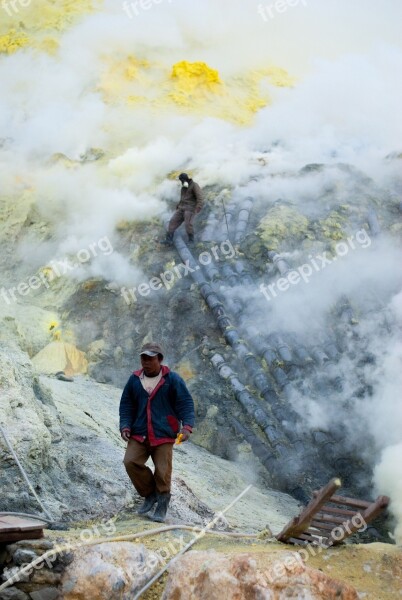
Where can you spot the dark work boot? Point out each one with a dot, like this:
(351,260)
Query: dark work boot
(191,238)
(147,504)
(168,241)
(161,509)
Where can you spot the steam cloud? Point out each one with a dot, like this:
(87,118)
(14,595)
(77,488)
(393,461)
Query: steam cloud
(343,109)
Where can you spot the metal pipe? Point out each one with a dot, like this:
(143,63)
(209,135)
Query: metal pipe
(242,220)
(373,223)
(229,274)
(243,272)
(208,233)
(247,400)
(281,347)
(281,264)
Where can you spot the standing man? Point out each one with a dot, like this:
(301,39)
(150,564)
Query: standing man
(155,407)
(190,204)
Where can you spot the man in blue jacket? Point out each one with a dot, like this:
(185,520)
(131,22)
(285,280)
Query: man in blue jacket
(154,408)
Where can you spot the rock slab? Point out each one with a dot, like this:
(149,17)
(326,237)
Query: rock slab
(209,575)
(109,571)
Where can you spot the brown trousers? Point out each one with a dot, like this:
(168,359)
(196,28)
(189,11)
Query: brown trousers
(142,478)
(179,216)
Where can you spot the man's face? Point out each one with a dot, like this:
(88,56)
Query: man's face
(151,365)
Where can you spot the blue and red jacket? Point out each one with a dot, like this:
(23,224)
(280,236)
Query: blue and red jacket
(157,415)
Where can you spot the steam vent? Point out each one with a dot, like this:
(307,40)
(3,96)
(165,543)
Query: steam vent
(201,234)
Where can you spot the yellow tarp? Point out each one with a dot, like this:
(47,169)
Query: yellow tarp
(60,356)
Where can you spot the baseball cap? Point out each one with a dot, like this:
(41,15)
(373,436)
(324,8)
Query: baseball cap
(151,349)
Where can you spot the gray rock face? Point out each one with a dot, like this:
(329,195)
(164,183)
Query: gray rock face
(66,439)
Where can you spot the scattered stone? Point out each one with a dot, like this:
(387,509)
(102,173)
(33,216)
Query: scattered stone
(45,576)
(214,575)
(50,593)
(23,555)
(61,376)
(13,593)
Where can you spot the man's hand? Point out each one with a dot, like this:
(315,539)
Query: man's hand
(186,434)
(198,210)
(125,434)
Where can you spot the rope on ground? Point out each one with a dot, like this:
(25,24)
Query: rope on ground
(25,476)
(122,538)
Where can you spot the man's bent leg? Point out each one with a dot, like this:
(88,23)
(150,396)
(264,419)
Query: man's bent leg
(176,221)
(189,222)
(141,476)
(162,457)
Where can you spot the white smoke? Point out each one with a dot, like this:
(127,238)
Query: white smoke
(344,108)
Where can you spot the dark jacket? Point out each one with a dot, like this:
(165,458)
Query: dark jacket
(157,415)
(191,197)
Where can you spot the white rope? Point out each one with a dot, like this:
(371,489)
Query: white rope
(191,543)
(25,476)
(121,538)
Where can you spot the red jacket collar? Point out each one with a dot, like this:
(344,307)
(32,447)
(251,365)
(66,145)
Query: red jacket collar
(165,371)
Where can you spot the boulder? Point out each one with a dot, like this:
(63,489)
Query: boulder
(108,571)
(210,575)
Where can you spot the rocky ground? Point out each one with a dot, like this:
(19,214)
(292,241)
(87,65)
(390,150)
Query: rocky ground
(66,433)
(70,435)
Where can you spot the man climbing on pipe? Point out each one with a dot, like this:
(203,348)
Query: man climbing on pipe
(191,201)
(155,407)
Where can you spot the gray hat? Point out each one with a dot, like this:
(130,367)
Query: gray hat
(152,349)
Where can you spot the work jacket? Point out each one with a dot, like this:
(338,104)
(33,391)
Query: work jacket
(156,416)
(191,197)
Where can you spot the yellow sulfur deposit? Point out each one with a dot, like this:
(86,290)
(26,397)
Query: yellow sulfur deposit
(331,227)
(48,45)
(193,87)
(55,331)
(191,79)
(185,370)
(279,77)
(13,41)
(48,273)
(199,88)
(22,26)
(125,78)
(282,223)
